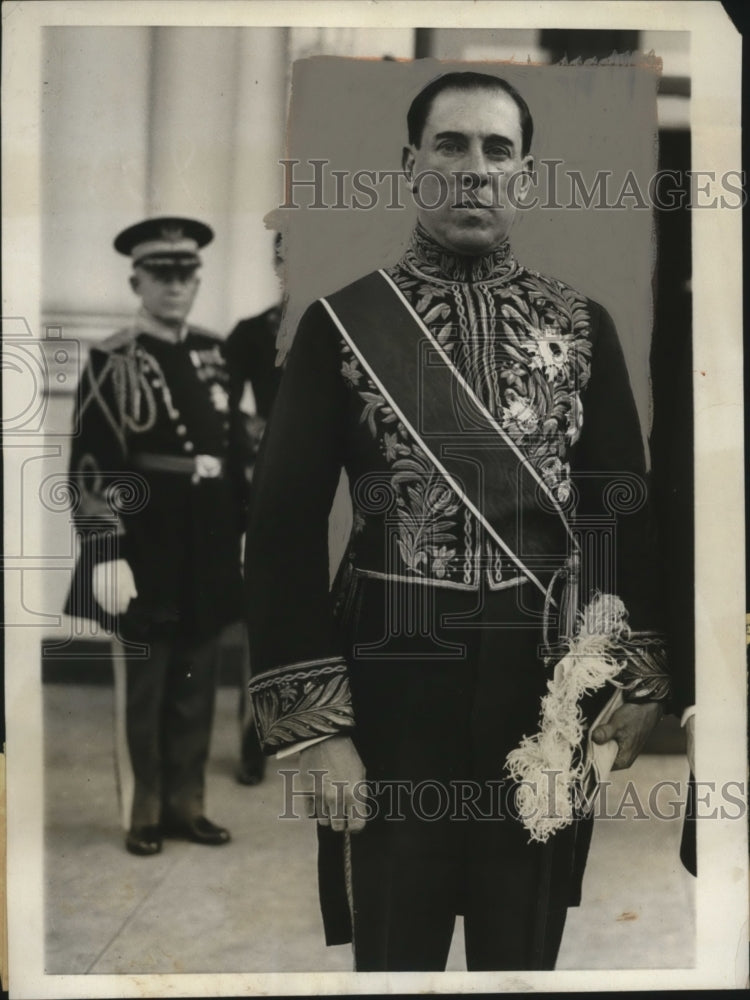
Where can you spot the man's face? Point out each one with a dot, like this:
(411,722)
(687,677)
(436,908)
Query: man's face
(167,293)
(476,134)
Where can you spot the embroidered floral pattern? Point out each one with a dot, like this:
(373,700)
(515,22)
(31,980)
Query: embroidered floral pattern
(545,363)
(424,505)
(300,704)
(522,343)
(432,260)
(503,324)
(351,372)
(441,559)
(425,509)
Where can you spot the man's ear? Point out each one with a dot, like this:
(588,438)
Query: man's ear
(526,178)
(134,282)
(407,161)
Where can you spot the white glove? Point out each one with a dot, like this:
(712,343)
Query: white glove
(113,586)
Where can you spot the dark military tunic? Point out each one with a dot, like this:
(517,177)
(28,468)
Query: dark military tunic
(428,648)
(147,407)
(250,351)
(158,482)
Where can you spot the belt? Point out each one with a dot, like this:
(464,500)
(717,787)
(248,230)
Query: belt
(197,466)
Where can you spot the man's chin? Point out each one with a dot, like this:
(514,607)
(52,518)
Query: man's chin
(172,318)
(472,240)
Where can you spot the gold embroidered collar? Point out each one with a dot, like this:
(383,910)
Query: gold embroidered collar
(426,256)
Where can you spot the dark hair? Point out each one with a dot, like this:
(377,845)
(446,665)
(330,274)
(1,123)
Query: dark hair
(419,109)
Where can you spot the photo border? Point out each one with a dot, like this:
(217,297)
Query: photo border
(721,890)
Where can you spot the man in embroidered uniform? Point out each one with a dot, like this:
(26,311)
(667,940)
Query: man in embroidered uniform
(472,403)
(160,512)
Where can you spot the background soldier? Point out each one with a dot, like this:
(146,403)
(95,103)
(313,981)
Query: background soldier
(154,411)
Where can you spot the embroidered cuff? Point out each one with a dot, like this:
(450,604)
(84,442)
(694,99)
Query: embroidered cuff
(644,676)
(301,701)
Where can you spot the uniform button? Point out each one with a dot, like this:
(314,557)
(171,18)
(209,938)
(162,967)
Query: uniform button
(156,383)
(187,445)
(181,429)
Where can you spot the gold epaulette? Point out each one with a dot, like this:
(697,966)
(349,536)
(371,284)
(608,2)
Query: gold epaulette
(117,340)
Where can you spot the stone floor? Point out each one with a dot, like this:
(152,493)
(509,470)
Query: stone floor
(252,906)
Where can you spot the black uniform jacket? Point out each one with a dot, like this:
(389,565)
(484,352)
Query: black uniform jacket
(157,479)
(250,350)
(546,363)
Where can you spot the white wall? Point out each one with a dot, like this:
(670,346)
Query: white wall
(150,121)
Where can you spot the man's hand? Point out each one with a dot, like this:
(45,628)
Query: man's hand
(629,726)
(342,770)
(113,586)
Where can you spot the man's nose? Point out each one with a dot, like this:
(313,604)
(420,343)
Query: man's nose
(475,168)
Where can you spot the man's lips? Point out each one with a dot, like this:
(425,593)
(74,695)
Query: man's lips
(473,201)
(473,206)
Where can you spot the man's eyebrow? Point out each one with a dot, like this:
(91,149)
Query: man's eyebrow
(490,137)
(450,135)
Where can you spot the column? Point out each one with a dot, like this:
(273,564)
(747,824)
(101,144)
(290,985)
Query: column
(93,164)
(193,94)
(256,179)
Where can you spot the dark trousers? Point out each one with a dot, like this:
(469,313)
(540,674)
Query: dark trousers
(165,707)
(404,899)
(438,707)
(251,755)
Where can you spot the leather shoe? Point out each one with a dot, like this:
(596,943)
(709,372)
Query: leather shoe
(144,840)
(200,831)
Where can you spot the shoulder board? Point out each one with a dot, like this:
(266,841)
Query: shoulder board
(117,340)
